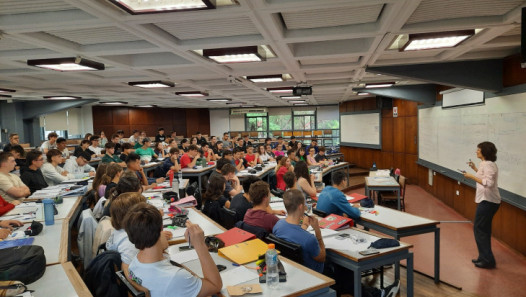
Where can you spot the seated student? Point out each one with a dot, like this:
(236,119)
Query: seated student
(128,183)
(6,227)
(311,161)
(283,166)
(208,153)
(219,165)
(79,166)
(262,155)
(111,177)
(213,198)
(268,150)
(305,181)
(62,147)
(193,141)
(217,148)
(233,186)
(241,202)
(333,201)
(170,163)
(87,136)
(171,144)
(313,144)
(281,146)
(238,159)
(110,156)
(258,216)
(98,186)
(250,157)
(84,147)
(20,156)
(159,150)
(226,141)
(11,186)
(95,145)
(190,157)
(145,151)
(5,207)
(246,141)
(115,139)
(103,139)
(184,144)
(51,143)
(160,137)
(291,154)
(134,138)
(240,143)
(300,154)
(292,143)
(133,164)
(290,180)
(14,139)
(321,157)
(213,141)
(151,268)
(200,139)
(173,135)
(291,229)
(32,176)
(139,143)
(54,174)
(127,148)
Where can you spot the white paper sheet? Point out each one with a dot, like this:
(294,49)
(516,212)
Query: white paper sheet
(179,232)
(324,232)
(344,244)
(238,275)
(181,257)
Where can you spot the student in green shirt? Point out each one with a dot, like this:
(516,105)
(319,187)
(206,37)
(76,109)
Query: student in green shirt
(145,151)
(109,157)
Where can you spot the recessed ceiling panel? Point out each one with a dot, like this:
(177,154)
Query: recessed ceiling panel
(210,28)
(28,6)
(95,35)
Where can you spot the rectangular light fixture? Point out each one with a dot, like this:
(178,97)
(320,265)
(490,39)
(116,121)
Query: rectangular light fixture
(425,41)
(379,85)
(236,54)
(62,97)
(67,64)
(6,90)
(266,78)
(152,84)
(290,97)
(156,6)
(191,94)
(146,106)
(219,100)
(301,104)
(114,103)
(363,94)
(284,90)
(297,101)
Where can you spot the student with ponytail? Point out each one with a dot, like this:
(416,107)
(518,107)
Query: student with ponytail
(111,177)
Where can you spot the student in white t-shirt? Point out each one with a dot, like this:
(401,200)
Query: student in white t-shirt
(152,270)
(51,143)
(94,147)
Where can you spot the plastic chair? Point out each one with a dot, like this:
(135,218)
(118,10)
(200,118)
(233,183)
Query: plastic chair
(227,217)
(288,249)
(392,195)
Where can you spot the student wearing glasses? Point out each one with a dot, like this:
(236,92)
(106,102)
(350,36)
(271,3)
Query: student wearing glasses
(14,139)
(32,175)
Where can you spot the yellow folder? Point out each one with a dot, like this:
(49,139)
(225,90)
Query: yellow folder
(244,252)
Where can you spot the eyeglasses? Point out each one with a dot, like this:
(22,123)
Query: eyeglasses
(40,159)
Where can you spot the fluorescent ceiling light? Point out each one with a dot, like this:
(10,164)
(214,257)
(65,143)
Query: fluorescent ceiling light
(247,106)
(6,90)
(266,78)
(301,104)
(67,64)
(379,85)
(156,6)
(297,101)
(62,97)
(284,90)
(363,94)
(146,106)
(425,41)
(219,100)
(290,97)
(236,54)
(192,94)
(114,103)
(152,84)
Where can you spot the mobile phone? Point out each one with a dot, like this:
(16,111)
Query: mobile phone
(368,252)
(461,171)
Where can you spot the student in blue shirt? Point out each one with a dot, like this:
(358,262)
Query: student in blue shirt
(333,201)
(313,144)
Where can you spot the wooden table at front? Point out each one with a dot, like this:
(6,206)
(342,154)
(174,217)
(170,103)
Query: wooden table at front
(400,224)
(380,184)
(351,259)
(190,172)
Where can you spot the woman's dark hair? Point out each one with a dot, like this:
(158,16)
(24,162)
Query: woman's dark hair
(127,183)
(488,150)
(215,188)
(302,170)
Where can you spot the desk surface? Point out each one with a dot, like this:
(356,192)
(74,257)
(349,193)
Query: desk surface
(330,168)
(373,181)
(395,219)
(208,225)
(204,169)
(244,173)
(60,280)
(50,239)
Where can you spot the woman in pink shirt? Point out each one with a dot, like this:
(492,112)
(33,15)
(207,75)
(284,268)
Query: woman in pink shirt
(488,200)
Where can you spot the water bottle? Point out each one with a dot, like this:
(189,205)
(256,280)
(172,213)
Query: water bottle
(49,212)
(175,185)
(271,259)
(180,176)
(171,176)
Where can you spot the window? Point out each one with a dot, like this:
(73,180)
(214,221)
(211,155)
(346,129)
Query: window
(304,119)
(280,122)
(257,122)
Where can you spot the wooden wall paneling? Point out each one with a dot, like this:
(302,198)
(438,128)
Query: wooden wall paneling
(411,135)
(114,128)
(513,74)
(192,124)
(376,156)
(411,168)
(386,159)
(369,104)
(342,107)
(399,135)
(102,115)
(358,105)
(469,203)
(204,121)
(163,118)
(399,161)
(387,134)
(411,108)
(108,129)
(178,121)
(139,116)
(520,244)
(121,116)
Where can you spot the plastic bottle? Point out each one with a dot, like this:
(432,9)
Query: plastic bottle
(175,185)
(49,212)
(171,175)
(180,176)
(271,260)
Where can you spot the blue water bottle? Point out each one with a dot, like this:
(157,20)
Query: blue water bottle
(49,212)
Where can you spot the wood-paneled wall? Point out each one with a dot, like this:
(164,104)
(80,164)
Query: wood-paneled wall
(400,149)
(184,121)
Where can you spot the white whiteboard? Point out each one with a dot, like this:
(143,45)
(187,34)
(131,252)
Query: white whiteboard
(449,137)
(361,129)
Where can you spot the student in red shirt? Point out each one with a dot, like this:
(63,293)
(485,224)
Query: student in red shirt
(258,216)
(282,168)
(238,159)
(190,157)
(250,157)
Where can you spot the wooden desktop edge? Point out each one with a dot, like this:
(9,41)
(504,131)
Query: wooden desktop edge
(75,280)
(64,241)
(327,281)
(74,208)
(191,170)
(433,223)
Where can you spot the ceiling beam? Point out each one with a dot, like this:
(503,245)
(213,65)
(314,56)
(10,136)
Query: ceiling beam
(33,109)
(420,93)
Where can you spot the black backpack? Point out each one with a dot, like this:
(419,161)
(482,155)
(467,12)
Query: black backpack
(100,277)
(25,263)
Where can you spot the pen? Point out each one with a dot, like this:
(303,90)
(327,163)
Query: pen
(306,215)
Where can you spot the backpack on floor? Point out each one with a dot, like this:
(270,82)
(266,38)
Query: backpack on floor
(25,263)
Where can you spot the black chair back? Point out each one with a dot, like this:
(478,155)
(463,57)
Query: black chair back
(319,213)
(288,249)
(258,231)
(227,217)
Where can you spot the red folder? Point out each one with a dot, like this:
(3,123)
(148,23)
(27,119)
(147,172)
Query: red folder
(234,236)
(356,197)
(335,222)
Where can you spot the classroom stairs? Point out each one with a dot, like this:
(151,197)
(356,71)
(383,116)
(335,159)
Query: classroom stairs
(357,177)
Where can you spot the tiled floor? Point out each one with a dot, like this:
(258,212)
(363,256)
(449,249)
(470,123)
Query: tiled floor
(457,248)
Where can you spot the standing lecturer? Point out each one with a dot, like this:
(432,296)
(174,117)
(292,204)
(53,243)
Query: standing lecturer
(488,199)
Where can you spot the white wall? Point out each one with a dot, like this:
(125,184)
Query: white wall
(219,122)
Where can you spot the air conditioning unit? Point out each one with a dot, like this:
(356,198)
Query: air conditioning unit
(248,110)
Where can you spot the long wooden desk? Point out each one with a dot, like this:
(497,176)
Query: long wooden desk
(400,224)
(208,225)
(60,280)
(330,169)
(379,184)
(190,172)
(260,174)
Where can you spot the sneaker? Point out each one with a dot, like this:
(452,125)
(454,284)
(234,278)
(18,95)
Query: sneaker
(392,290)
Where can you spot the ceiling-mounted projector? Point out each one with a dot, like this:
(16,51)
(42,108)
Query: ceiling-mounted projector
(302,90)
